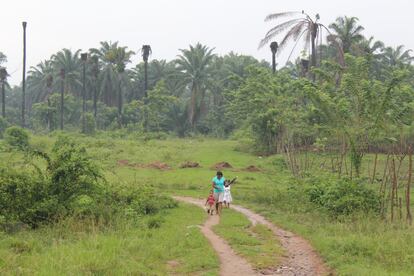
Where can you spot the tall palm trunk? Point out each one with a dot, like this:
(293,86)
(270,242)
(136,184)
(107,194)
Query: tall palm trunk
(62,89)
(24,75)
(313,48)
(3,76)
(84,98)
(120,101)
(193,105)
(146,78)
(84,57)
(3,99)
(273,47)
(146,51)
(95,98)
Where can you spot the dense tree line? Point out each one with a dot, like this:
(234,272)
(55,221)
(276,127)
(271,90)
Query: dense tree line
(346,88)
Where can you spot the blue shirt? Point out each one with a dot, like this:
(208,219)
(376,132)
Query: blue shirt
(219,184)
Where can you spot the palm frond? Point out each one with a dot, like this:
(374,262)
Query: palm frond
(274,16)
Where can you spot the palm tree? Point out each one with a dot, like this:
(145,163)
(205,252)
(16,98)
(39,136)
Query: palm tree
(304,27)
(24,24)
(370,47)
(111,56)
(70,62)
(347,31)
(3,77)
(397,56)
(157,70)
(95,73)
(37,80)
(194,64)
(273,48)
(49,83)
(121,58)
(146,51)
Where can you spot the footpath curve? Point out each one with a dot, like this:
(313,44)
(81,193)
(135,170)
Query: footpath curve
(231,264)
(300,258)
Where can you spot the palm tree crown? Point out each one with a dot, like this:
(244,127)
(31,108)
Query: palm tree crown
(347,31)
(302,28)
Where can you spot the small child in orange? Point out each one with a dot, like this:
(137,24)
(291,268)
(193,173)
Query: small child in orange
(210,202)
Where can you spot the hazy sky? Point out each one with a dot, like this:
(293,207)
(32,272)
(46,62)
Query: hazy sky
(168,25)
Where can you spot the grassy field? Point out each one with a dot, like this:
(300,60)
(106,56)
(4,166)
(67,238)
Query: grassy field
(129,248)
(352,246)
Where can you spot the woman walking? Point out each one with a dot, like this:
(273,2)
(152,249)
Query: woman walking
(218,186)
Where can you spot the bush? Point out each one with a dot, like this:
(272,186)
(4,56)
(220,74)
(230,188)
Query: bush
(90,125)
(344,197)
(17,137)
(71,185)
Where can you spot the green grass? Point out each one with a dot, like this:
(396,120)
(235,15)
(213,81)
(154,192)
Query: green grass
(256,243)
(358,246)
(127,249)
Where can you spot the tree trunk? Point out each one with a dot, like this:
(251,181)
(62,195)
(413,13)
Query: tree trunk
(145,78)
(95,98)
(120,102)
(375,168)
(407,194)
(193,104)
(24,76)
(274,62)
(3,99)
(49,116)
(62,90)
(84,98)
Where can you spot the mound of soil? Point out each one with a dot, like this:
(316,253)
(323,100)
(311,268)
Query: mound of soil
(123,162)
(251,168)
(222,165)
(189,164)
(158,165)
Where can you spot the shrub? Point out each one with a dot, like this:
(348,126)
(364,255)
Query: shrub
(344,197)
(70,185)
(90,124)
(17,137)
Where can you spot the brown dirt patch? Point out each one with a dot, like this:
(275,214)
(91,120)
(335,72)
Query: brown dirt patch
(173,264)
(123,163)
(189,164)
(222,165)
(154,165)
(251,168)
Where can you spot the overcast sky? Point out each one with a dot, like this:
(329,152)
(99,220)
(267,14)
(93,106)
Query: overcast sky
(168,25)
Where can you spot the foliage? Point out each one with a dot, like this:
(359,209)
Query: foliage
(90,125)
(16,137)
(3,126)
(71,184)
(343,197)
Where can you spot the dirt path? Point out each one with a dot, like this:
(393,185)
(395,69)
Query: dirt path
(301,258)
(231,264)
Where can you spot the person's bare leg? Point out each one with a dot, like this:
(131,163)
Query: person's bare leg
(217,208)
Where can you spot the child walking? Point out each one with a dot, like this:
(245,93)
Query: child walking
(227,199)
(210,203)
